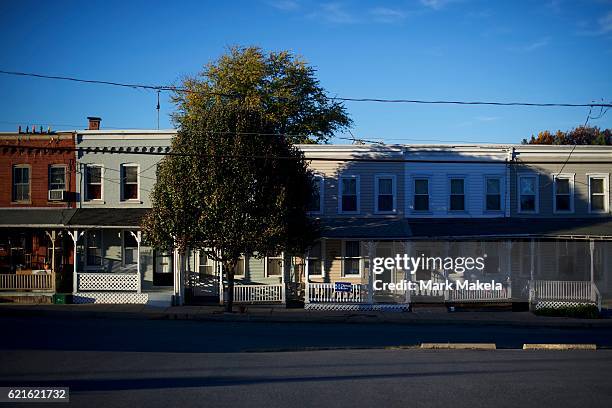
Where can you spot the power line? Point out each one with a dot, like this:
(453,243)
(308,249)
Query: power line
(337,98)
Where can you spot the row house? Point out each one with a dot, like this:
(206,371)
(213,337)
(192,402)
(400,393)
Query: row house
(539,215)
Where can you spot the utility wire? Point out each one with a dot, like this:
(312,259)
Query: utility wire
(337,98)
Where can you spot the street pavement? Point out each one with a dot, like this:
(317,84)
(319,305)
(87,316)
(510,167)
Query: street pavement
(160,363)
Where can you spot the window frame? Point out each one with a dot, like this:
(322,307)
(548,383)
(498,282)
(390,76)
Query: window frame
(58,166)
(243,259)
(499,178)
(536,209)
(123,176)
(414,194)
(320,180)
(13,184)
(89,266)
(357,179)
(450,178)
(606,193)
(282,266)
(393,179)
(320,259)
(564,176)
(87,183)
(344,258)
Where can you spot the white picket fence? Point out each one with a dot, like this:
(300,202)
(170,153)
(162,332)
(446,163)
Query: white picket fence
(572,291)
(259,293)
(464,295)
(326,293)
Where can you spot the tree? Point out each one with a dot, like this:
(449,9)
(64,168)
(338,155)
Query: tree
(278,84)
(582,135)
(232,185)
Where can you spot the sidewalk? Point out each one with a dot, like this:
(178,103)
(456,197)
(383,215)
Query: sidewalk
(281,315)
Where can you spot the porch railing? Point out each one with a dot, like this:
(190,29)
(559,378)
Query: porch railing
(42,282)
(258,293)
(108,282)
(572,291)
(326,293)
(464,295)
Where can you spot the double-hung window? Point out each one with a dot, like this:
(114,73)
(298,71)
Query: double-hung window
(57,177)
(457,194)
(598,193)
(274,265)
(528,193)
(129,182)
(315,260)
(351,260)
(206,268)
(130,249)
(493,199)
(93,250)
(349,194)
(21,183)
(315,206)
(563,191)
(421,194)
(240,267)
(93,181)
(385,194)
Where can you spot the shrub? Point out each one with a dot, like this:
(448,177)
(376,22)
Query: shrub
(579,311)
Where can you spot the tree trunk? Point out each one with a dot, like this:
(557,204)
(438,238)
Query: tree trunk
(229,268)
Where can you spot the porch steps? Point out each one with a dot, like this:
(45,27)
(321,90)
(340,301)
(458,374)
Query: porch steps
(159,299)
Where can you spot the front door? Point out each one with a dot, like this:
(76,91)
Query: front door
(163,272)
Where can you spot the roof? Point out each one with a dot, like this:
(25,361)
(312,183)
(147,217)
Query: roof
(465,228)
(71,218)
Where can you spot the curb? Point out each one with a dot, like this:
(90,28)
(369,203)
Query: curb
(459,346)
(559,347)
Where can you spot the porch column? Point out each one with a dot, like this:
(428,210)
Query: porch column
(52,239)
(75,238)
(137,237)
(509,267)
(371,248)
(283,288)
(407,272)
(592,253)
(532,259)
(220,271)
(307,278)
(178,300)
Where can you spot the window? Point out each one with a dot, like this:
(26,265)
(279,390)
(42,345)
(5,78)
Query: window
(21,183)
(351,260)
(457,194)
(130,249)
(598,193)
(206,268)
(129,181)
(93,180)
(385,194)
(349,194)
(528,198)
(493,200)
(421,195)
(240,267)
(274,266)
(94,248)
(563,192)
(57,177)
(315,260)
(316,202)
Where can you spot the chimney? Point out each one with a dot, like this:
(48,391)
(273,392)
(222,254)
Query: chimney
(94,123)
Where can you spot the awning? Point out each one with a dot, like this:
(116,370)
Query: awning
(71,218)
(35,217)
(107,218)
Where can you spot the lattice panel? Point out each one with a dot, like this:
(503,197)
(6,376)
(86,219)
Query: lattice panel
(558,304)
(108,281)
(357,307)
(110,298)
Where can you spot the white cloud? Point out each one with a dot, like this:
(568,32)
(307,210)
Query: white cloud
(387,15)
(605,23)
(535,45)
(435,4)
(285,5)
(336,13)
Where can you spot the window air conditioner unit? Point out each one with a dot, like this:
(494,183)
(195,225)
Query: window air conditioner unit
(56,195)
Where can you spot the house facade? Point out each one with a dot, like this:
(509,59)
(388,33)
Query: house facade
(538,216)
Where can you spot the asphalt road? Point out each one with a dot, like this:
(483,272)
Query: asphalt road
(134,363)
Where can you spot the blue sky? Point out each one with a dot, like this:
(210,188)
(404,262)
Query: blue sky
(549,51)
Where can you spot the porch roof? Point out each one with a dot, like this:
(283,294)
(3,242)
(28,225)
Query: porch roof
(35,217)
(107,218)
(465,228)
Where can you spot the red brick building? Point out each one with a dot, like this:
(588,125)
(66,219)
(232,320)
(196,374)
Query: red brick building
(37,192)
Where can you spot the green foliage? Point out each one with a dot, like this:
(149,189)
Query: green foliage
(580,311)
(582,135)
(281,86)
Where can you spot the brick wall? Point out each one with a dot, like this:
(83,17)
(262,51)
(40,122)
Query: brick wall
(39,161)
